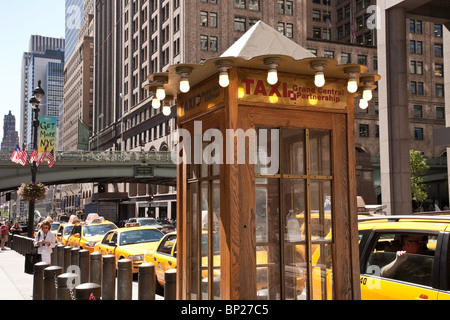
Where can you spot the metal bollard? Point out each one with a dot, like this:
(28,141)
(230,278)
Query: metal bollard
(109,278)
(54,257)
(60,255)
(84,265)
(146,282)
(124,279)
(75,256)
(67,257)
(96,267)
(50,278)
(170,285)
(38,279)
(88,291)
(66,286)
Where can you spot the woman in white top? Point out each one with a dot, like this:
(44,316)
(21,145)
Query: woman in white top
(45,241)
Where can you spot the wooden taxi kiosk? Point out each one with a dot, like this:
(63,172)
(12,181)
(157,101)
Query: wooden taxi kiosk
(266,178)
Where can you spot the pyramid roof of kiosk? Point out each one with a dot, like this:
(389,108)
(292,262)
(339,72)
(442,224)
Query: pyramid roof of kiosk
(262,39)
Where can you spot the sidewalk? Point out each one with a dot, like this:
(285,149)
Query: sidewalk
(15,284)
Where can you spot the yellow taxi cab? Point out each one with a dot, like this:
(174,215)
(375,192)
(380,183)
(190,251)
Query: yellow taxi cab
(85,235)
(129,243)
(164,256)
(63,233)
(405,257)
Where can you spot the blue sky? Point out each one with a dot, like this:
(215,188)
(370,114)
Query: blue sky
(18,21)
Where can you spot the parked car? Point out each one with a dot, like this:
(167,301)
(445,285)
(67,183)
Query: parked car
(405,257)
(86,234)
(164,256)
(163,227)
(63,233)
(129,243)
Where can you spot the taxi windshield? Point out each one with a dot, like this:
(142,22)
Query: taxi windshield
(99,229)
(67,230)
(139,236)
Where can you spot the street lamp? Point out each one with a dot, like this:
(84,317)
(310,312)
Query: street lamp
(35,101)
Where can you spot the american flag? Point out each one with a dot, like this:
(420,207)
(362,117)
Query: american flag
(43,155)
(328,23)
(50,159)
(15,155)
(353,32)
(34,157)
(23,155)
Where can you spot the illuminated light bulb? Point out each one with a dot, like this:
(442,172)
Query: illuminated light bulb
(319,80)
(352,86)
(272,77)
(167,110)
(161,93)
(184,85)
(224,79)
(274,98)
(363,104)
(156,103)
(367,94)
(241,93)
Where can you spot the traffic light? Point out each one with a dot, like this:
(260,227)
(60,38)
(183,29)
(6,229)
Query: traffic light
(101,188)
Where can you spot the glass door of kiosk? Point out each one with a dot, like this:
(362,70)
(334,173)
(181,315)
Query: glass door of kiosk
(294,217)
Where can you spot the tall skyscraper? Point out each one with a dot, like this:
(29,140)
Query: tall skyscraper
(45,62)
(78,83)
(10,135)
(74,19)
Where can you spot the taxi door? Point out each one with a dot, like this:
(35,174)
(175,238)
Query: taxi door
(109,243)
(420,286)
(164,257)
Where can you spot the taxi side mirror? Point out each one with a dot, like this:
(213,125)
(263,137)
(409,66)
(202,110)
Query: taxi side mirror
(175,254)
(59,234)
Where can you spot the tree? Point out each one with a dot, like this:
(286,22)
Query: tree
(419,168)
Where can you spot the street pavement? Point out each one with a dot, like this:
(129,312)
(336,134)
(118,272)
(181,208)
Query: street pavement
(15,284)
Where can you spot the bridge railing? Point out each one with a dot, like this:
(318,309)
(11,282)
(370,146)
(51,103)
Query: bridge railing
(103,156)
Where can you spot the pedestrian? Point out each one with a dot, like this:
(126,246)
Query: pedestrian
(4,233)
(16,228)
(45,241)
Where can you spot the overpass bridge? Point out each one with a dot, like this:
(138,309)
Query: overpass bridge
(92,166)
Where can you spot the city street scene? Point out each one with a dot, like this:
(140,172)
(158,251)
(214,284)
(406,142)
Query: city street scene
(225,150)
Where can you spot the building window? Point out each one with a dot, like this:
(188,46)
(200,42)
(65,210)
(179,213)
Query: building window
(326,34)
(204,43)
(438,70)
(362,59)
(440,113)
(418,111)
(364,130)
(412,26)
(289,30)
(239,4)
(412,46)
(316,33)
(239,24)
(439,90)
(316,15)
(213,43)
(438,30)
(213,20)
(438,52)
(253,5)
(419,69)
(419,47)
(328,54)
(418,133)
(419,27)
(345,58)
(420,88)
(203,18)
(413,87)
